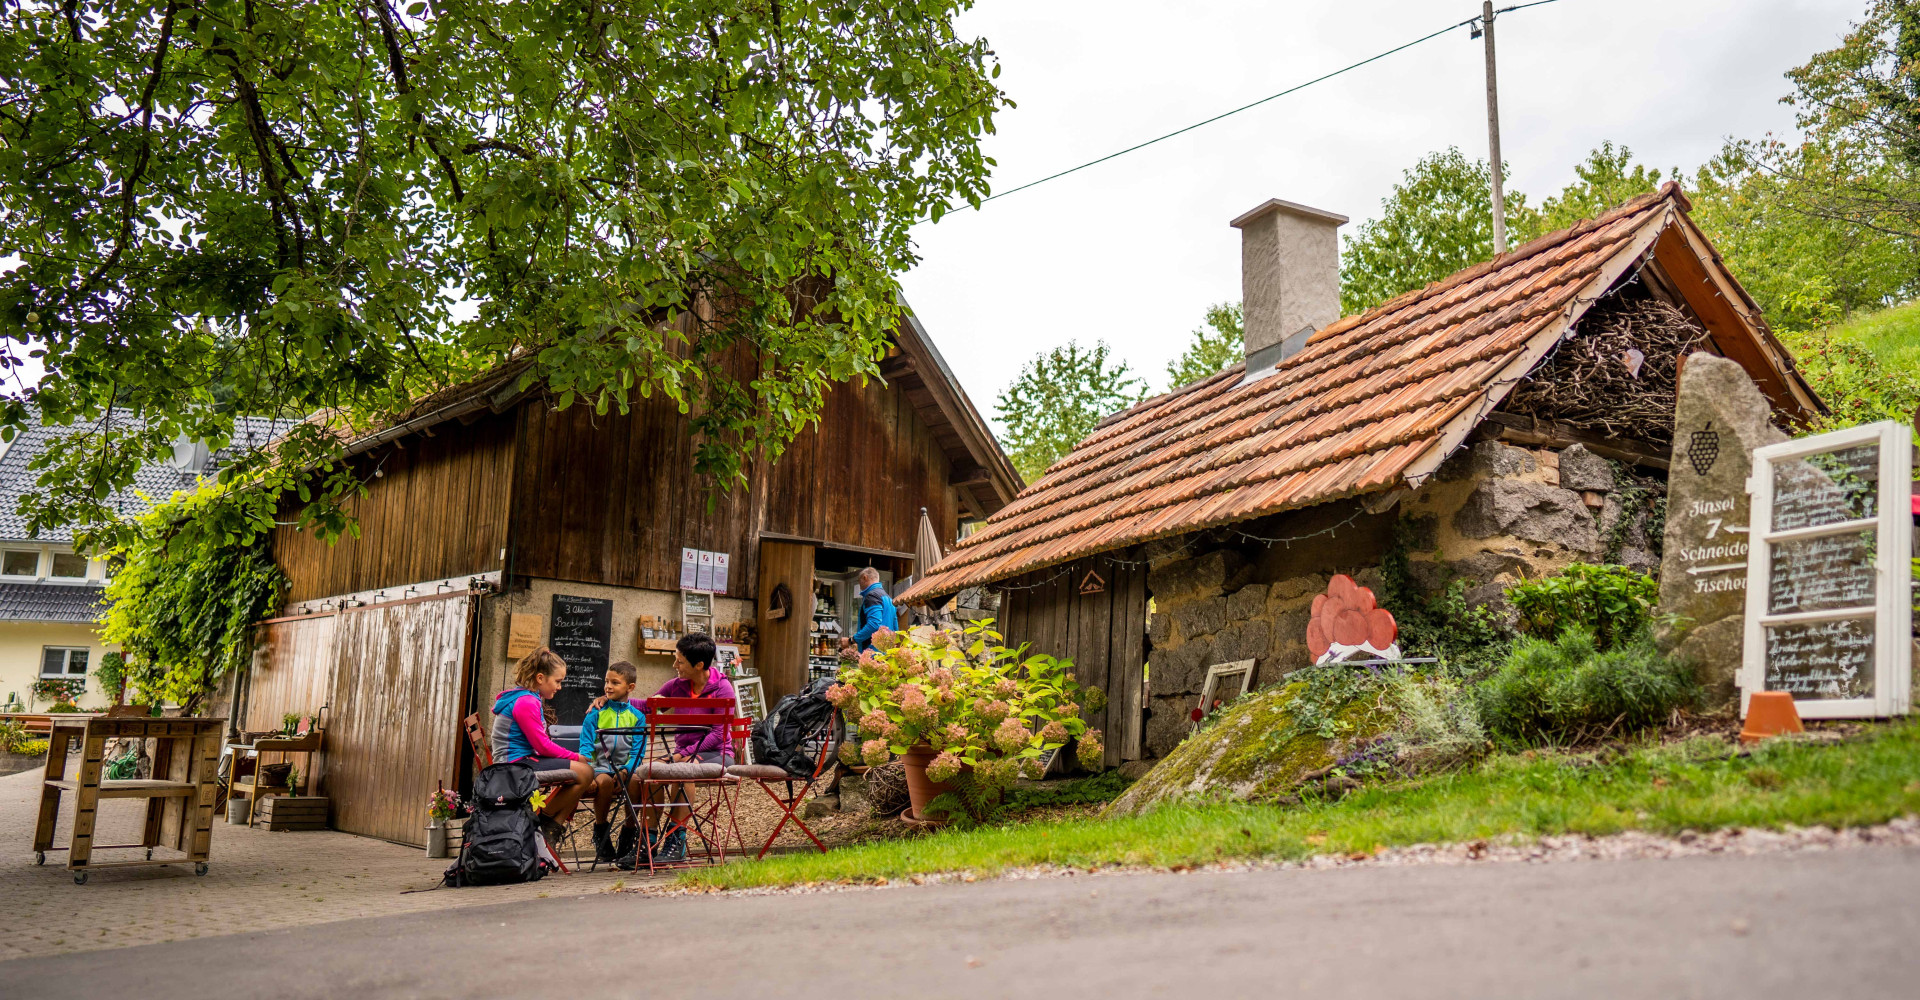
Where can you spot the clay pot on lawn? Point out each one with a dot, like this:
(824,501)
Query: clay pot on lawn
(920,790)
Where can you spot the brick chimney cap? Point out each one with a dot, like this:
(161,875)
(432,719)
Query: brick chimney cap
(1291,207)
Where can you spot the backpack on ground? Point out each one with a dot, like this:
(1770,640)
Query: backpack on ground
(781,739)
(502,844)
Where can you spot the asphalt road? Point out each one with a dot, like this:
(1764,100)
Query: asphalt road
(1840,924)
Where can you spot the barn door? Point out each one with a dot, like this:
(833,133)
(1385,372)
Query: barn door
(1095,613)
(786,590)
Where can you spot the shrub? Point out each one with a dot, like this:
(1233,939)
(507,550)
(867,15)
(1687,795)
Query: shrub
(59,707)
(1570,689)
(33,748)
(982,706)
(111,675)
(1612,604)
(12,736)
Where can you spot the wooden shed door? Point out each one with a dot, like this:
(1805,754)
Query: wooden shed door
(391,678)
(782,651)
(1095,614)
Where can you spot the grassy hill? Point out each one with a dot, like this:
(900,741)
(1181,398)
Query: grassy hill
(1893,335)
(1865,369)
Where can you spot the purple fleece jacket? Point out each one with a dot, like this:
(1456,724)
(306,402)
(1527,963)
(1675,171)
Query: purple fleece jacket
(716,737)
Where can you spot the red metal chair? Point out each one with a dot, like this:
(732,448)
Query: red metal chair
(667,717)
(767,775)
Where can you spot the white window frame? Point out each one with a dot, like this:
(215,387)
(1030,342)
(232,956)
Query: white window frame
(39,559)
(66,662)
(1891,610)
(86,566)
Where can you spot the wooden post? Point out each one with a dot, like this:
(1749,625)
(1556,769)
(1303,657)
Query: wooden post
(1493,134)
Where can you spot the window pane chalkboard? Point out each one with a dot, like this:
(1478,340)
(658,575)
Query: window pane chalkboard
(1826,489)
(581,633)
(1822,574)
(1821,660)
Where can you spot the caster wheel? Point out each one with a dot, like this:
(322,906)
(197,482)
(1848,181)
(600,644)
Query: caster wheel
(79,878)
(200,868)
(39,857)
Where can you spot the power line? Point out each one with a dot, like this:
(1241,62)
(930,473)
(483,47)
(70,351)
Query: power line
(1270,97)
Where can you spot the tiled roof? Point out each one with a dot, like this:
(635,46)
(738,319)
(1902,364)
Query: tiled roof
(151,483)
(51,602)
(1371,400)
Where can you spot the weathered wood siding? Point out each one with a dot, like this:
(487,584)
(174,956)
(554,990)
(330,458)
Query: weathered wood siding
(612,499)
(1104,633)
(438,509)
(392,676)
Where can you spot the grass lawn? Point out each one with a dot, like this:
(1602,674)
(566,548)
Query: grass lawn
(1696,784)
(1893,335)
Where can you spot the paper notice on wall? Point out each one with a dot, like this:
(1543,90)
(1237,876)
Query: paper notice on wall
(704,580)
(689,569)
(719,572)
(523,634)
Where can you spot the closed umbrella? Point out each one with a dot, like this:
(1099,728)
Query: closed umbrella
(926,547)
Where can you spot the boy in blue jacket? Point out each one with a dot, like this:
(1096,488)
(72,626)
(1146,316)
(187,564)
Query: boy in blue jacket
(612,710)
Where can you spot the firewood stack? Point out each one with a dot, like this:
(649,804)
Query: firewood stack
(1615,374)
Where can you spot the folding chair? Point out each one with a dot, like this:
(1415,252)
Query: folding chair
(483,758)
(667,717)
(824,740)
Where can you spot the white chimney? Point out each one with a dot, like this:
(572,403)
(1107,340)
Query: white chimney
(1289,279)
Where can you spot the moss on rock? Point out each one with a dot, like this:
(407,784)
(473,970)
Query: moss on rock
(1235,758)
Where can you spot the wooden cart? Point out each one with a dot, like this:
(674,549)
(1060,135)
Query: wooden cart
(179,806)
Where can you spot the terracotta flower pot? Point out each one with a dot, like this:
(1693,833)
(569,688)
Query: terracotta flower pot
(921,790)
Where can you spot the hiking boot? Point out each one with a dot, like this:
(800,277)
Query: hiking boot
(628,834)
(552,829)
(673,848)
(630,856)
(603,843)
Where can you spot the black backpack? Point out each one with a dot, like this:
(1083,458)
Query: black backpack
(501,846)
(785,738)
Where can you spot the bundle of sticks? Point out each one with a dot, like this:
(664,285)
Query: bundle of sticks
(1614,374)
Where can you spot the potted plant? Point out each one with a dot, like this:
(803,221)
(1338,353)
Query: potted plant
(444,810)
(965,714)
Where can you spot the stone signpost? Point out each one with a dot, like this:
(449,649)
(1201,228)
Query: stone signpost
(1719,418)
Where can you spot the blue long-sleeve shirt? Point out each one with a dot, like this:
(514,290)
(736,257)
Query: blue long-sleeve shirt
(876,612)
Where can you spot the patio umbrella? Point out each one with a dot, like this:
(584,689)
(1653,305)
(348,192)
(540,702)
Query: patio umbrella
(926,547)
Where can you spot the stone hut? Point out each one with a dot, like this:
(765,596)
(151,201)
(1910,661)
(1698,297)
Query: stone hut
(1496,425)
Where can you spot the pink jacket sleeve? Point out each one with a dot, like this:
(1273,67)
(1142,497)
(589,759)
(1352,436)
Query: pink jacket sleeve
(527,715)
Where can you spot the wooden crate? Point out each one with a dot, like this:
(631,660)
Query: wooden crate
(291,812)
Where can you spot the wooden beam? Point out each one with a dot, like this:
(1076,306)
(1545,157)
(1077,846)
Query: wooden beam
(963,477)
(1551,434)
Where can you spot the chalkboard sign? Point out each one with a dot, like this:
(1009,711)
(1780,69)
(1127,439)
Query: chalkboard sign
(1822,574)
(1822,660)
(1826,488)
(1828,612)
(581,632)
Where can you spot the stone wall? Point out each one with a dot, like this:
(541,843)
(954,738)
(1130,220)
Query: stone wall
(1493,515)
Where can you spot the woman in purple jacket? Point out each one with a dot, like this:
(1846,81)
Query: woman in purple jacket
(694,677)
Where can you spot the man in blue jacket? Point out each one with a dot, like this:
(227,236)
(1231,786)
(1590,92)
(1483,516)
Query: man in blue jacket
(876,609)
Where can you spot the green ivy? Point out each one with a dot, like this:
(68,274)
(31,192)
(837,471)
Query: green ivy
(197,575)
(1468,639)
(112,675)
(1613,603)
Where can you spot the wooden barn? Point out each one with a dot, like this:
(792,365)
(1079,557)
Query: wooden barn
(495,522)
(1495,425)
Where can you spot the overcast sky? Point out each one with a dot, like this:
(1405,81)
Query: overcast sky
(1132,251)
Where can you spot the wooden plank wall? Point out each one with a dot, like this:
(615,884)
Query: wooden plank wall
(292,672)
(612,499)
(1103,633)
(439,509)
(390,676)
(393,731)
(782,650)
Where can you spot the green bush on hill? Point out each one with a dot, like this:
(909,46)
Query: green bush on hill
(1570,690)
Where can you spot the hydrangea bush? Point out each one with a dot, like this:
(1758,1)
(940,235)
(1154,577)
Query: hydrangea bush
(987,711)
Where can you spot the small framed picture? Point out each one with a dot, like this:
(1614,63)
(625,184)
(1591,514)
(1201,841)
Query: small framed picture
(1224,683)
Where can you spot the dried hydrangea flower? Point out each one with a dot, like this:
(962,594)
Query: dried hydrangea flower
(1090,751)
(1010,735)
(874,752)
(850,753)
(1005,688)
(993,711)
(873,723)
(1054,732)
(885,638)
(944,767)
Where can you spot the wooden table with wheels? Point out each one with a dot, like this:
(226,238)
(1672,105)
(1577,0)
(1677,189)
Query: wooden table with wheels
(179,806)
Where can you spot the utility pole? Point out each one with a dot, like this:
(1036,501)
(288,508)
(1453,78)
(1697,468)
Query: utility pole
(1493,134)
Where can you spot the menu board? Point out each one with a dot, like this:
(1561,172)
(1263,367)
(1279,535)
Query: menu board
(581,633)
(1827,488)
(1821,660)
(1822,574)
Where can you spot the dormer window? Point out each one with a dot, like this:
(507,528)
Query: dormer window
(69,566)
(20,562)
